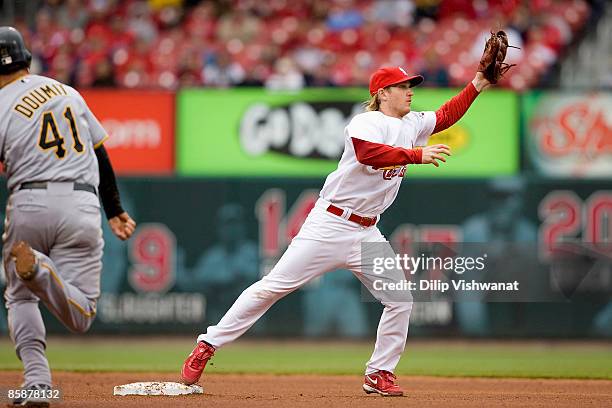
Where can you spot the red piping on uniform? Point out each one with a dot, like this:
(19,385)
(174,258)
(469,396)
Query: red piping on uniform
(455,108)
(380,155)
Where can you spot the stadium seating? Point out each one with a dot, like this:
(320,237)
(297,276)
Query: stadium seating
(292,43)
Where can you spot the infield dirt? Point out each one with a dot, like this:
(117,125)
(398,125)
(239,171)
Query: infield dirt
(252,391)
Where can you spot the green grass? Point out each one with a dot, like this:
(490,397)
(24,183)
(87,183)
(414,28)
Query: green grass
(466,359)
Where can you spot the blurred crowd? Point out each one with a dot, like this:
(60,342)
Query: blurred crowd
(291,44)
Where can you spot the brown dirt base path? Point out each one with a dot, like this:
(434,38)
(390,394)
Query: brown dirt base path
(252,391)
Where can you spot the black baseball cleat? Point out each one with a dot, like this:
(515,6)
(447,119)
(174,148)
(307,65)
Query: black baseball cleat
(25,260)
(34,396)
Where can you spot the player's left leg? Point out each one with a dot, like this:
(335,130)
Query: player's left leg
(393,326)
(27,331)
(25,323)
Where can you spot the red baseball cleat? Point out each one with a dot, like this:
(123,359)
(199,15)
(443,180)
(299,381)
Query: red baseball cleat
(195,363)
(383,383)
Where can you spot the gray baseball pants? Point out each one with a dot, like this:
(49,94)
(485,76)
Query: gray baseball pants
(63,228)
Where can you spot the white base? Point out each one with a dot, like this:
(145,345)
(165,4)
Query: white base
(157,388)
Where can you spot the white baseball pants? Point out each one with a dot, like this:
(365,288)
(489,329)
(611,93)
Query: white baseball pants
(325,243)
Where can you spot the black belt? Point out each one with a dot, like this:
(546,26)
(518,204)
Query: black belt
(42,185)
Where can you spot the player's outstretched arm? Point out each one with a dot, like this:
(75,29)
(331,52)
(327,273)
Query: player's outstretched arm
(453,109)
(450,113)
(490,70)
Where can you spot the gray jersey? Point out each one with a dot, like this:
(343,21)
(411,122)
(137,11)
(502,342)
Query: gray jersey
(47,133)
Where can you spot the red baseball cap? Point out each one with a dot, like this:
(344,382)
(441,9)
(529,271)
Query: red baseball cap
(388,76)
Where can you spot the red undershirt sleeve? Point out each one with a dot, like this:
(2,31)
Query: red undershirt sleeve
(380,155)
(455,108)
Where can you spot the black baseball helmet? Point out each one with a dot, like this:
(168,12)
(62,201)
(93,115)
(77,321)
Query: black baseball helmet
(13,53)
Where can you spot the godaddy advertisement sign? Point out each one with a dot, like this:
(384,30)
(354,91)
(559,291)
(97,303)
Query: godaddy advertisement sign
(254,132)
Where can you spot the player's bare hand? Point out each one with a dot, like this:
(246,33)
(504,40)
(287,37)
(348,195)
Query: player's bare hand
(122,225)
(433,154)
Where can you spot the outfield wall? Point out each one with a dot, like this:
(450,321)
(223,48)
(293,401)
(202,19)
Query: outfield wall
(201,242)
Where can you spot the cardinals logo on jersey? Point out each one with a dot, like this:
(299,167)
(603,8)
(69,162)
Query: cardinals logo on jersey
(393,171)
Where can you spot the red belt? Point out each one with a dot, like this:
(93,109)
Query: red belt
(363,221)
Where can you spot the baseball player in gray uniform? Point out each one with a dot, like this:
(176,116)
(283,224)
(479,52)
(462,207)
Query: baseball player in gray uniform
(55,164)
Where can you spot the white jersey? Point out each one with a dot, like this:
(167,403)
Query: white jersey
(47,133)
(361,188)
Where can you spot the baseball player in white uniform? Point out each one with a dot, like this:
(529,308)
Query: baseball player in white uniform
(55,164)
(379,144)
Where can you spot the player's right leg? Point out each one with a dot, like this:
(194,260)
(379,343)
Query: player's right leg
(304,260)
(322,245)
(75,260)
(67,227)
(66,301)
